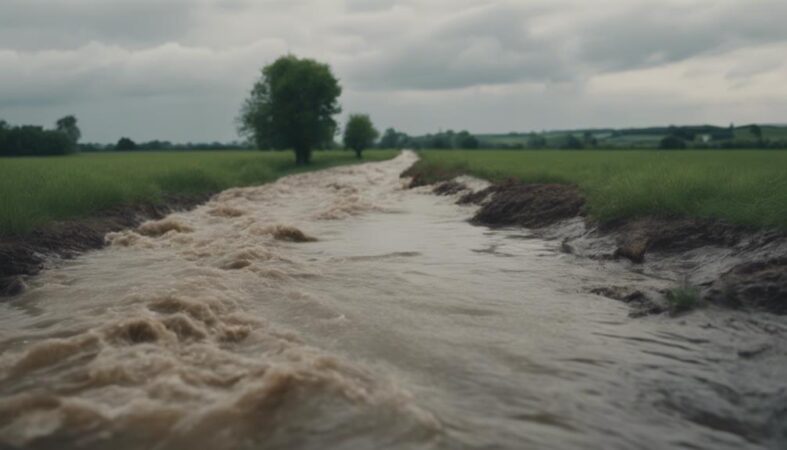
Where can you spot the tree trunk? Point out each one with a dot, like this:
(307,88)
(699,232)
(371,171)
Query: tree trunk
(358,153)
(302,156)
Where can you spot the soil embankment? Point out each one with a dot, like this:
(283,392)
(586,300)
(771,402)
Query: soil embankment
(724,263)
(26,254)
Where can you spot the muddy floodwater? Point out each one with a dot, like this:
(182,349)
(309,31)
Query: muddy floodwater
(336,309)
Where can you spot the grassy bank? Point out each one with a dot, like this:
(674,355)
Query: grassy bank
(746,187)
(38,190)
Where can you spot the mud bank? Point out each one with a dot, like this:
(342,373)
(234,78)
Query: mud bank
(25,255)
(710,261)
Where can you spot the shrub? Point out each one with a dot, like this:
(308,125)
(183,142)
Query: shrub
(682,299)
(672,142)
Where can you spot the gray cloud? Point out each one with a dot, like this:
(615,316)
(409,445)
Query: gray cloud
(419,64)
(46,24)
(484,45)
(656,33)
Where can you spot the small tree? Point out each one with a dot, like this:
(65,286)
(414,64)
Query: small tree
(572,143)
(589,140)
(359,133)
(756,131)
(672,143)
(390,139)
(535,140)
(68,125)
(292,106)
(125,144)
(465,140)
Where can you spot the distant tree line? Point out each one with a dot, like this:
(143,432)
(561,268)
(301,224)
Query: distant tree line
(32,140)
(667,138)
(709,137)
(127,144)
(442,140)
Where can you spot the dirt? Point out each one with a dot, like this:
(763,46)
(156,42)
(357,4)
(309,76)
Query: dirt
(449,188)
(753,285)
(639,236)
(25,255)
(759,283)
(421,176)
(641,304)
(529,205)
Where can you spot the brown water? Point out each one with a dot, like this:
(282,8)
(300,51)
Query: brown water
(402,326)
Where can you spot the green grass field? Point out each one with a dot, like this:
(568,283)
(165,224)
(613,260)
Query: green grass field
(38,190)
(747,187)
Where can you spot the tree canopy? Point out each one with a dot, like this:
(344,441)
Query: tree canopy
(292,105)
(32,140)
(68,125)
(125,143)
(672,142)
(756,131)
(359,133)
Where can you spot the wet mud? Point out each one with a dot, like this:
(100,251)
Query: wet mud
(529,205)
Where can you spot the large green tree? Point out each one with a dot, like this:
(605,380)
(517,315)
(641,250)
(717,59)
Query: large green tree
(292,105)
(359,133)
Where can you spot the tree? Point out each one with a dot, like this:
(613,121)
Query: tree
(125,144)
(672,142)
(390,139)
(30,140)
(68,125)
(437,141)
(589,140)
(359,133)
(756,131)
(572,143)
(465,140)
(292,106)
(535,140)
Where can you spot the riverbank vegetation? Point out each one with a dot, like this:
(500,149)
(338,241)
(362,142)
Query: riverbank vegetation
(746,187)
(39,190)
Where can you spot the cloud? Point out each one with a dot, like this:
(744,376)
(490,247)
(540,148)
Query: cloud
(485,65)
(481,45)
(46,24)
(97,71)
(653,33)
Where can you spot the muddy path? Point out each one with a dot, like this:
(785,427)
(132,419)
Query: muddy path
(337,309)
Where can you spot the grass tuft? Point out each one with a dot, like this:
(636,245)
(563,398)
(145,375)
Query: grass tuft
(683,299)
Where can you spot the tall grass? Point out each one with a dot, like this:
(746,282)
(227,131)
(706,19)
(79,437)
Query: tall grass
(747,187)
(34,191)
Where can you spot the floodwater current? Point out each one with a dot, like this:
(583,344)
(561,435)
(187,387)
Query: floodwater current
(400,326)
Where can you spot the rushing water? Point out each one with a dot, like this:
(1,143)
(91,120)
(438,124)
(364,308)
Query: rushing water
(402,326)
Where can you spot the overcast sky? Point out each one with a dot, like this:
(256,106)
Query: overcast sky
(179,69)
